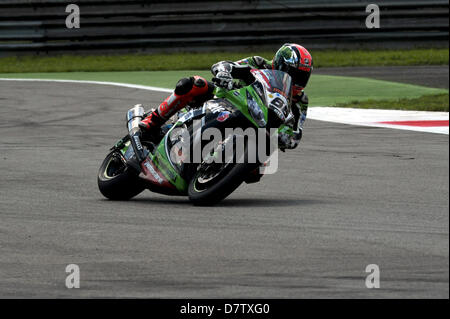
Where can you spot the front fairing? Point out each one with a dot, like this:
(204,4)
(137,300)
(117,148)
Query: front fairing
(271,90)
(275,90)
(246,100)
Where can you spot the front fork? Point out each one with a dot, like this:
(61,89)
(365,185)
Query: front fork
(134,116)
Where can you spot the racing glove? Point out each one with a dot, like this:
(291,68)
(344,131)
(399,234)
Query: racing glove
(224,80)
(290,136)
(288,141)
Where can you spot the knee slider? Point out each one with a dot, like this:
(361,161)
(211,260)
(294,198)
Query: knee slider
(184,86)
(199,82)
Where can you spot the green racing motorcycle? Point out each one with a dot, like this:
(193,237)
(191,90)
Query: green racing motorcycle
(159,164)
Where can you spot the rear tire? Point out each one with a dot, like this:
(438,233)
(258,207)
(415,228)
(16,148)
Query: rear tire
(115,179)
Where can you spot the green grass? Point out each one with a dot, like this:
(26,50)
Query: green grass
(434,102)
(203,61)
(323,90)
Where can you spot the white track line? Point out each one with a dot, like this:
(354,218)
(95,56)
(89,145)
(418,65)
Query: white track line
(371,117)
(134,86)
(361,117)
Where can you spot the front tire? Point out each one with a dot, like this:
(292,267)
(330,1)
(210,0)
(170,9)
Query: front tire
(204,194)
(115,179)
(213,182)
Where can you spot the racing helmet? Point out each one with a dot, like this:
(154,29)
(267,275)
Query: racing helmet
(296,61)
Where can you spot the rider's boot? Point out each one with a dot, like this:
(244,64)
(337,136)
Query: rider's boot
(186,91)
(254,176)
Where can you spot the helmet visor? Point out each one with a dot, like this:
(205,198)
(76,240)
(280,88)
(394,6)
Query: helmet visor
(299,77)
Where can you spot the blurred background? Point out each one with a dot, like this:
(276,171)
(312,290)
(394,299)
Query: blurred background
(113,26)
(158,42)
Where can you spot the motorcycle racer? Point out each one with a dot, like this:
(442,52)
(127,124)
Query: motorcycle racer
(290,58)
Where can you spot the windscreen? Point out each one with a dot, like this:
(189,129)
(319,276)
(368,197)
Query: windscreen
(277,82)
(277,92)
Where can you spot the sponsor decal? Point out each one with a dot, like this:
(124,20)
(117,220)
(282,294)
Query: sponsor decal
(214,107)
(223,116)
(279,113)
(153,172)
(138,142)
(279,92)
(186,117)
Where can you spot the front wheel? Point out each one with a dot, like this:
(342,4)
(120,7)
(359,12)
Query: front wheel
(115,179)
(212,183)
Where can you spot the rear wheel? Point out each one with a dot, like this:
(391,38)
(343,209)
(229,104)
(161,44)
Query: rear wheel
(115,179)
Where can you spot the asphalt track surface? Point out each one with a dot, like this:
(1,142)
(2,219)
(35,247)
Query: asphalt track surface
(348,197)
(436,76)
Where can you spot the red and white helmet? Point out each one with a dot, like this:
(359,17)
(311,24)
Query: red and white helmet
(296,61)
